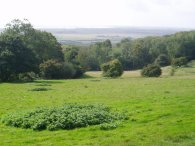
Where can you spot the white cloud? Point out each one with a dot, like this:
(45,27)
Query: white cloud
(100,13)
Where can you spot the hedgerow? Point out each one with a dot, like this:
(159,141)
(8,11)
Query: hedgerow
(69,116)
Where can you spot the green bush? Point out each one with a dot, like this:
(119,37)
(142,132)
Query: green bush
(52,69)
(162,60)
(112,68)
(151,70)
(69,116)
(27,77)
(178,62)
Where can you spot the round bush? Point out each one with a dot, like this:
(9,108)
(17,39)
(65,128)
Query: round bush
(53,69)
(151,70)
(112,68)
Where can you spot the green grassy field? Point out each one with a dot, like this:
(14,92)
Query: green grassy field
(161,110)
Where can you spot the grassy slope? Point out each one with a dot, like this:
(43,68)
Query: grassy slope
(161,109)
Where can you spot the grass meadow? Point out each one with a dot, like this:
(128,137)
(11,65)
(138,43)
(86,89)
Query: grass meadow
(161,110)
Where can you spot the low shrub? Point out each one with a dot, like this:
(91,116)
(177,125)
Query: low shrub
(53,69)
(27,77)
(151,70)
(69,116)
(178,62)
(112,68)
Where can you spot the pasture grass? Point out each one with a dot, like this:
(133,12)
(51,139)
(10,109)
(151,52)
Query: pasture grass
(161,110)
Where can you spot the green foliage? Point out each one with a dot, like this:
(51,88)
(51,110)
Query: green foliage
(69,116)
(162,60)
(15,58)
(109,126)
(53,69)
(23,48)
(151,70)
(78,71)
(112,69)
(135,53)
(27,77)
(139,52)
(42,43)
(89,57)
(70,54)
(182,61)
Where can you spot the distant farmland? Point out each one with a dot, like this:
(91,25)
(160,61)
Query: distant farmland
(85,36)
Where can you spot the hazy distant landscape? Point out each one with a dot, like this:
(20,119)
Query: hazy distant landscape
(84,36)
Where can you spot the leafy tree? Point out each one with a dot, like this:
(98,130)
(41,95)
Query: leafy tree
(42,43)
(15,58)
(70,54)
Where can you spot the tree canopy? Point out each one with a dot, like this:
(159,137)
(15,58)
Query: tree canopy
(23,49)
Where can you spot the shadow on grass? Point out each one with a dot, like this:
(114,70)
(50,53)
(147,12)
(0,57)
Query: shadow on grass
(40,89)
(44,82)
(85,76)
(36,82)
(48,81)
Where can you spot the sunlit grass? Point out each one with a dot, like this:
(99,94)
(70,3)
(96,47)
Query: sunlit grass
(161,110)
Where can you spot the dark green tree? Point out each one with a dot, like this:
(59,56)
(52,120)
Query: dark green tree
(42,43)
(15,58)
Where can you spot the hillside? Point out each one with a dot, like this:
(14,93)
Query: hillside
(160,109)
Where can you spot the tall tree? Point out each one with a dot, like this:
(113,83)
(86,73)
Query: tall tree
(42,43)
(15,58)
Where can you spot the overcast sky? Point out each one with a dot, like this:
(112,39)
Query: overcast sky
(100,13)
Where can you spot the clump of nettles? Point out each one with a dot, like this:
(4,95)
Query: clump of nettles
(69,116)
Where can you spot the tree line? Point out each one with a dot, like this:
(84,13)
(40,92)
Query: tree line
(26,53)
(135,53)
